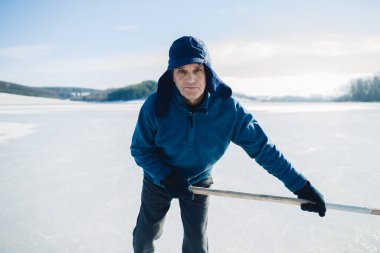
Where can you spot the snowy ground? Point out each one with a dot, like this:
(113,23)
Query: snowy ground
(69,184)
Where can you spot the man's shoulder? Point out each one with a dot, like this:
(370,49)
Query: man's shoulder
(149,105)
(230,102)
(151,99)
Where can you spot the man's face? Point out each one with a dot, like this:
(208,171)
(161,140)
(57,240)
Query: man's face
(191,82)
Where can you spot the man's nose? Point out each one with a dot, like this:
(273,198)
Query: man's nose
(190,77)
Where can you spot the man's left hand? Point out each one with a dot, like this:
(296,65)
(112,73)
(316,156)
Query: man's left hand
(308,192)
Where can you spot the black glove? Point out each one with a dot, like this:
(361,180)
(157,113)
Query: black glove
(308,192)
(177,186)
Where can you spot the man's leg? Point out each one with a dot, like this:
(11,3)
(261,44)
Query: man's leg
(194,219)
(155,203)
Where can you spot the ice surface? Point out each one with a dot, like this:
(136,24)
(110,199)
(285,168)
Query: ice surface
(10,130)
(7,99)
(69,184)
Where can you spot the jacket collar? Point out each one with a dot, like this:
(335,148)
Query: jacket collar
(179,99)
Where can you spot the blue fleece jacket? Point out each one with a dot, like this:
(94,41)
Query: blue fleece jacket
(192,142)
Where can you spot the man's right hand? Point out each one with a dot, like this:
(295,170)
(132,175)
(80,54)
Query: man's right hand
(177,186)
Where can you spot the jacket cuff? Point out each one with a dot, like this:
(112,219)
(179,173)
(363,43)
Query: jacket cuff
(298,185)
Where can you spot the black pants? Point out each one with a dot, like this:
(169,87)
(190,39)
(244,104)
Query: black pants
(155,202)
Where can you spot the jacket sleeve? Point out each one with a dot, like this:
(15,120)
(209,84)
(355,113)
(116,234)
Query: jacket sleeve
(143,147)
(250,136)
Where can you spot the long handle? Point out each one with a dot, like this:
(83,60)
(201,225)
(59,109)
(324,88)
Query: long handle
(278,199)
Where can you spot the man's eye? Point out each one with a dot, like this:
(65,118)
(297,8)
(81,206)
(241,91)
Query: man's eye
(181,71)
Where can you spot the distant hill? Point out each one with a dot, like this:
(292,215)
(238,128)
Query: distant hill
(129,92)
(12,88)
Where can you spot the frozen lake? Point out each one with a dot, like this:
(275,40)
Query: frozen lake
(69,184)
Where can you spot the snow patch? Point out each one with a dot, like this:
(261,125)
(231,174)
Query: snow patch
(10,130)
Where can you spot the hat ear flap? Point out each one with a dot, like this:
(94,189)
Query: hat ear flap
(164,90)
(210,84)
(215,85)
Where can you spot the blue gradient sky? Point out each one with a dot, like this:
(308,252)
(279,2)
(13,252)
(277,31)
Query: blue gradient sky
(258,47)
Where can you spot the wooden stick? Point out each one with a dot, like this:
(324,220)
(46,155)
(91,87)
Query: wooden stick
(283,200)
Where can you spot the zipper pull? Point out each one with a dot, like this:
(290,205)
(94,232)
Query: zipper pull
(191,119)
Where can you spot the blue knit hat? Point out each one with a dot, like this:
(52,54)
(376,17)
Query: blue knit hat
(183,51)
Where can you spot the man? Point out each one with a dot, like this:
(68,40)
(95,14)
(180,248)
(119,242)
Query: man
(182,131)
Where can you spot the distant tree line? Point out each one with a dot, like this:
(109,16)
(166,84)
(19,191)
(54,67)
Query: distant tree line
(129,92)
(69,92)
(132,92)
(363,90)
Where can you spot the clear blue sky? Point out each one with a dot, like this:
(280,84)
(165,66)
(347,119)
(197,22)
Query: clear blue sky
(258,47)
